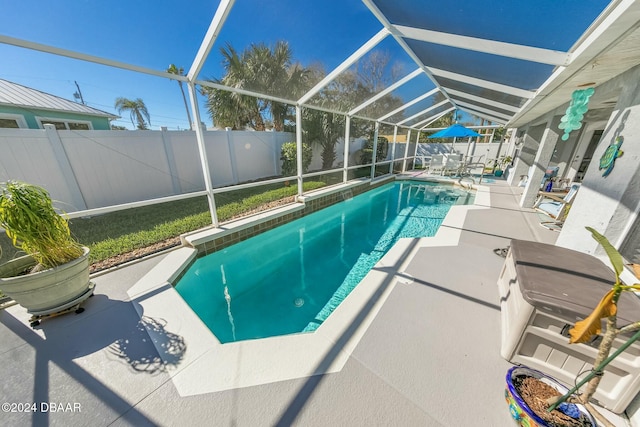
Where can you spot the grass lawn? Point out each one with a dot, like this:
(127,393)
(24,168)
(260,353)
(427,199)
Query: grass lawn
(116,233)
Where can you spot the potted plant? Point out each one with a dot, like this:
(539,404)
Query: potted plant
(53,276)
(552,404)
(500,165)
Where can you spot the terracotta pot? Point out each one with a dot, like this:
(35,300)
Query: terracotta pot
(520,412)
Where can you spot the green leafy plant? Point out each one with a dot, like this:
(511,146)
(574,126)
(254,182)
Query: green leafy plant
(498,165)
(584,330)
(501,162)
(381,150)
(289,161)
(31,222)
(117,233)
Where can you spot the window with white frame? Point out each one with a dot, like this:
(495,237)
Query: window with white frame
(62,124)
(12,121)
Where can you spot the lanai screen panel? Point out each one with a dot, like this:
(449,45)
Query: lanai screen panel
(165,35)
(461,100)
(482,92)
(548,24)
(402,95)
(378,69)
(100,86)
(417,108)
(161,34)
(432,33)
(431,114)
(498,69)
(385,142)
(307,40)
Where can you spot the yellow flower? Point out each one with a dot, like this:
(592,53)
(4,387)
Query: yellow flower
(585,329)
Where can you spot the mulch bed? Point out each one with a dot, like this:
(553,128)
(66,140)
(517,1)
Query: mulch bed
(535,394)
(172,242)
(133,255)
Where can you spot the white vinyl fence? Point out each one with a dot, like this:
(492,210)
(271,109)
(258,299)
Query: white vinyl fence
(488,151)
(92,169)
(95,169)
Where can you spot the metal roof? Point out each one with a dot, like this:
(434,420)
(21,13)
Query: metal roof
(16,95)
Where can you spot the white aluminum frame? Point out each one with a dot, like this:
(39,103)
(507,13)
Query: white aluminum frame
(66,122)
(18,118)
(613,23)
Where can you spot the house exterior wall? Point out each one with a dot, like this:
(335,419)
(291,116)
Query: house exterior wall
(610,204)
(545,146)
(30,115)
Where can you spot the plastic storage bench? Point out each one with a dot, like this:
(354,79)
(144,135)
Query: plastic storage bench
(544,290)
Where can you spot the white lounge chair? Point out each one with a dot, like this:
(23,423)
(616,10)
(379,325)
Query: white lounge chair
(451,167)
(556,206)
(437,163)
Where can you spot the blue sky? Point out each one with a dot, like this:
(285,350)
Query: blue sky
(156,34)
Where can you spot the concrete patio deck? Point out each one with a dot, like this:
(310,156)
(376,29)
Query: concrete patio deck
(430,357)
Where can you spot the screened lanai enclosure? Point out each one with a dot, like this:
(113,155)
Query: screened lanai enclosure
(239,97)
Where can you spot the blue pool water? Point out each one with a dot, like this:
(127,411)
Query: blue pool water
(289,279)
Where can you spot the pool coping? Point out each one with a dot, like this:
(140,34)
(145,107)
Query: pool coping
(209,366)
(213,239)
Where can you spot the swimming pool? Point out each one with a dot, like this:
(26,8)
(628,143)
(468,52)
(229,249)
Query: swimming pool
(289,279)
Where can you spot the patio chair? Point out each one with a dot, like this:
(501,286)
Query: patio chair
(472,165)
(437,163)
(453,164)
(550,174)
(419,188)
(454,156)
(556,205)
(475,164)
(424,161)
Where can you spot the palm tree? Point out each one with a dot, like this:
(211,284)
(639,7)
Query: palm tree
(323,129)
(230,109)
(261,69)
(179,71)
(443,122)
(137,110)
(349,89)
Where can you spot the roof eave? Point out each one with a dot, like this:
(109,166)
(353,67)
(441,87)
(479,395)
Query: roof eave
(98,113)
(613,28)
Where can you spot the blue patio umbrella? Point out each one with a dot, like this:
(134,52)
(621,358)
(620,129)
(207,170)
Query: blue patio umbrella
(454,131)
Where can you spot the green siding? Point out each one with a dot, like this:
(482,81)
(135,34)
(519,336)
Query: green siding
(98,123)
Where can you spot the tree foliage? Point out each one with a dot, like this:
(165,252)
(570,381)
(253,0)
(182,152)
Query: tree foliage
(137,111)
(272,70)
(288,155)
(323,129)
(179,71)
(348,90)
(381,150)
(262,69)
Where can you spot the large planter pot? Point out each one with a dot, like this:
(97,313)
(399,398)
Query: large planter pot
(521,413)
(46,291)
